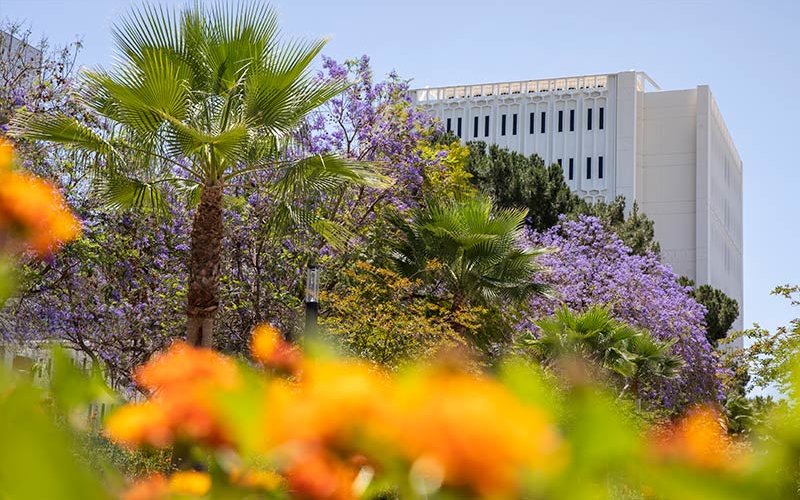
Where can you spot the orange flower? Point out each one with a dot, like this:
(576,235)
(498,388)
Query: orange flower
(183,484)
(699,439)
(268,348)
(474,433)
(191,483)
(151,488)
(140,424)
(6,156)
(257,479)
(35,209)
(332,401)
(182,366)
(319,475)
(183,382)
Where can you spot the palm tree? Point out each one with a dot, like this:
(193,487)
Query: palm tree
(477,246)
(199,97)
(627,352)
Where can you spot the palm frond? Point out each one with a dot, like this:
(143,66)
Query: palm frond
(620,348)
(287,216)
(144,28)
(59,128)
(120,192)
(324,173)
(476,244)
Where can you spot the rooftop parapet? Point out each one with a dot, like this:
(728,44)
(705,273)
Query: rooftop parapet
(520,87)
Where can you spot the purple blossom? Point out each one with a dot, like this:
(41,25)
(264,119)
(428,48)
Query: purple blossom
(374,122)
(593,267)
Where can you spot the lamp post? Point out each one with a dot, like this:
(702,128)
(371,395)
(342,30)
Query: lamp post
(312,299)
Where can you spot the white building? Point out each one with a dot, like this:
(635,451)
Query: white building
(620,134)
(23,58)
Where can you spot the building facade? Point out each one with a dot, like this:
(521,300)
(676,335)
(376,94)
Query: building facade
(620,134)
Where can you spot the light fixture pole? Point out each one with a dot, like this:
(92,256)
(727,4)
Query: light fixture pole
(312,299)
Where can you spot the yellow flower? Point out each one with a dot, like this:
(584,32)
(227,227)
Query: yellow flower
(190,483)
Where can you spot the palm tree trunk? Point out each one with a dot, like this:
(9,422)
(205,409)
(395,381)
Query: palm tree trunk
(203,297)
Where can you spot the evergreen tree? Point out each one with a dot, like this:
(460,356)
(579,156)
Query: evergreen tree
(518,181)
(514,180)
(636,230)
(722,310)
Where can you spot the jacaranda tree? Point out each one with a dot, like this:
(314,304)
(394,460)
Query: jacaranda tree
(593,267)
(198,98)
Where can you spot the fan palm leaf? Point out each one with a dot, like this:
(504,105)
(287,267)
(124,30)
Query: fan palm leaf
(477,245)
(628,352)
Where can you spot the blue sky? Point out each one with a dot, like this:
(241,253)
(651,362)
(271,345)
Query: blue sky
(748,52)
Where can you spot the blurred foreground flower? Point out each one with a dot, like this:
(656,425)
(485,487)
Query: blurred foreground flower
(475,433)
(335,422)
(180,484)
(32,209)
(182,383)
(270,349)
(699,439)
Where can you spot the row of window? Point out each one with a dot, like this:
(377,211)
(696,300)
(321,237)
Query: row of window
(571,167)
(531,124)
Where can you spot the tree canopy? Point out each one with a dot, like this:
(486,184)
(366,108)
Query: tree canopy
(514,180)
(721,310)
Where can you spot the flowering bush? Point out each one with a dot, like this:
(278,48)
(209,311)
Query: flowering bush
(375,122)
(332,421)
(323,427)
(593,267)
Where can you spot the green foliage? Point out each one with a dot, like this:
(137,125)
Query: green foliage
(450,177)
(636,230)
(96,452)
(384,317)
(72,390)
(769,357)
(721,310)
(514,180)
(36,455)
(476,245)
(740,414)
(631,355)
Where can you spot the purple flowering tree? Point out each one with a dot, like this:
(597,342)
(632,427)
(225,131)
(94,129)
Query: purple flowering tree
(374,122)
(593,267)
(115,294)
